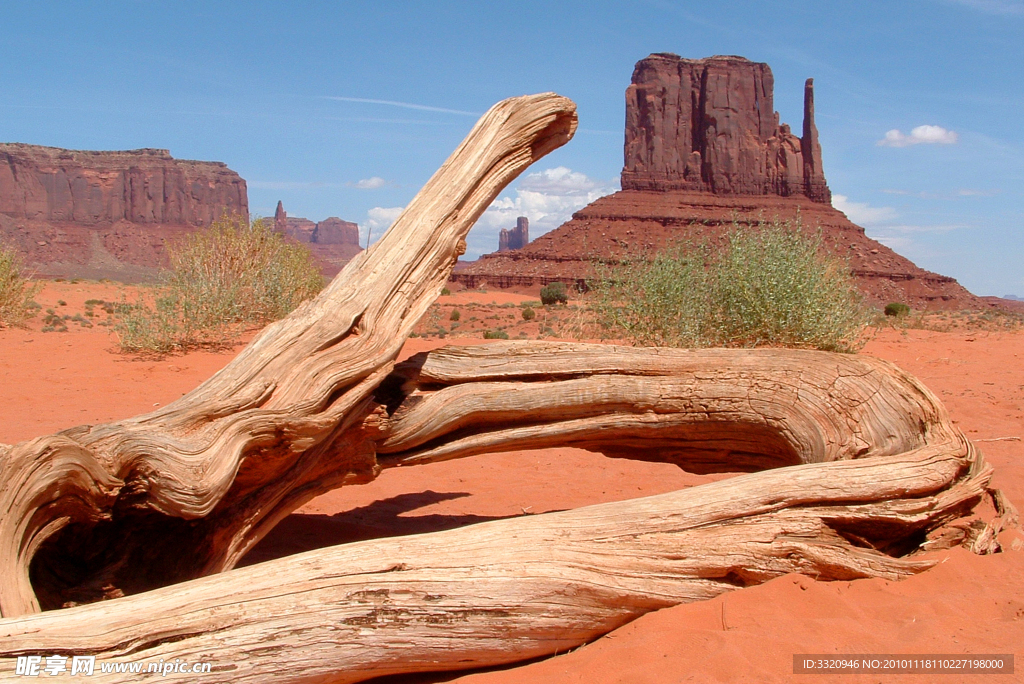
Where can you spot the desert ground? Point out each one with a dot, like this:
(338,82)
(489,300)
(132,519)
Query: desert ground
(966,604)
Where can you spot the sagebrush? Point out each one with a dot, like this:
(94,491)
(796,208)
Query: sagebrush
(16,290)
(773,284)
(223,279)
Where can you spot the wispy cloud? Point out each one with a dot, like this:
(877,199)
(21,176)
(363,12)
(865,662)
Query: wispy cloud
(921,135)
(861,212)
(291,185)
(404,105)
(882,224)
(952,195)
(371,183)
(999,7)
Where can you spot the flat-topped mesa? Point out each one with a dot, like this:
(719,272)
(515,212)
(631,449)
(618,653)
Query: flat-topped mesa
(88,188)
(517,237)
(709,125)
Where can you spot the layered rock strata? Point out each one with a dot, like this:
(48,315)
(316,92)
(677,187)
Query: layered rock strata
(703,150)
(632,222)
(107,214)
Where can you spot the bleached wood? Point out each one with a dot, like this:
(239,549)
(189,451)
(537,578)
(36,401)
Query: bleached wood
(283,422)
(864,471)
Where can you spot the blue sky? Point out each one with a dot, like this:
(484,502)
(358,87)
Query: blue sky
(346,109)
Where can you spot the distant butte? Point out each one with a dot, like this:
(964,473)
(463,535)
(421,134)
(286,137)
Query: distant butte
(107,214)
(332,241)
(704,147)
(517,237)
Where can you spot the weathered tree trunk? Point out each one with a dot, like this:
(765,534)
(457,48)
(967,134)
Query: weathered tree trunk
(209,474)
(862,470)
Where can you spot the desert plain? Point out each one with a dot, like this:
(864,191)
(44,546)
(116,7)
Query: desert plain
(966,604)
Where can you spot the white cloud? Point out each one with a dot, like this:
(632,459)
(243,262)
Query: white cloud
(378,220)
(882,225)
(371,183)
(548,198)
(921,135)
(862,213)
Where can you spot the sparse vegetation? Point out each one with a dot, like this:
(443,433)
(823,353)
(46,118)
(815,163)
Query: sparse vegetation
(770,286)
(897,310)
(495,335)
(445,292)
(529,314)
(554,293)
(455,315)
(16,291)
(223,279)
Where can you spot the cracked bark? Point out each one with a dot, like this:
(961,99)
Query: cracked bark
(854,469)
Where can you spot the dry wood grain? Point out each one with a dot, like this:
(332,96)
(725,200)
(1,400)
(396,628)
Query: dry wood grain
(211,473)
(859,470)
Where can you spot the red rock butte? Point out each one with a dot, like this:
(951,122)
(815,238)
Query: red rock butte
(704,150)
(332,241)
(107,214)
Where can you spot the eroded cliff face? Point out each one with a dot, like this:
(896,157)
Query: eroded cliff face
(89,214)
(709,125)
(92,188)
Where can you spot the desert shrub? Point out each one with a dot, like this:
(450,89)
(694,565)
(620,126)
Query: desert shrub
(528,314)
(553,293)
(664,300)
(223,279)
(897,309)
(445,292)
(495,335)
(16,291)
(455,315)
(774,285)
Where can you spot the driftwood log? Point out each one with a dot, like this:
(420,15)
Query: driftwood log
(854,469)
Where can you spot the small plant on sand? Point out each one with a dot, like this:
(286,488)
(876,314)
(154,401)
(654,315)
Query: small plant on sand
(16,291)
(495,335)
(455,315)
(774,285)
(223,279)
(554,293)
(529,314)
(897,310)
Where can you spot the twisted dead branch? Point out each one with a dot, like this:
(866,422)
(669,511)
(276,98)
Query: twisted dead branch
(854,469)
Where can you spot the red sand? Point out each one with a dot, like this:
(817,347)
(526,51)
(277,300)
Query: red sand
(967,604)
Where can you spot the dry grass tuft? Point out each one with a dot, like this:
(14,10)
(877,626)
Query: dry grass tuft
(223,280)
(16,291)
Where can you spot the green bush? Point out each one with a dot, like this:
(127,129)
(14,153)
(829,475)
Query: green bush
(445,292)
(529,314)
(495,335)
(455,315)
(897,309)
(773,285)
(553,293)
(16,291)
(223,279)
